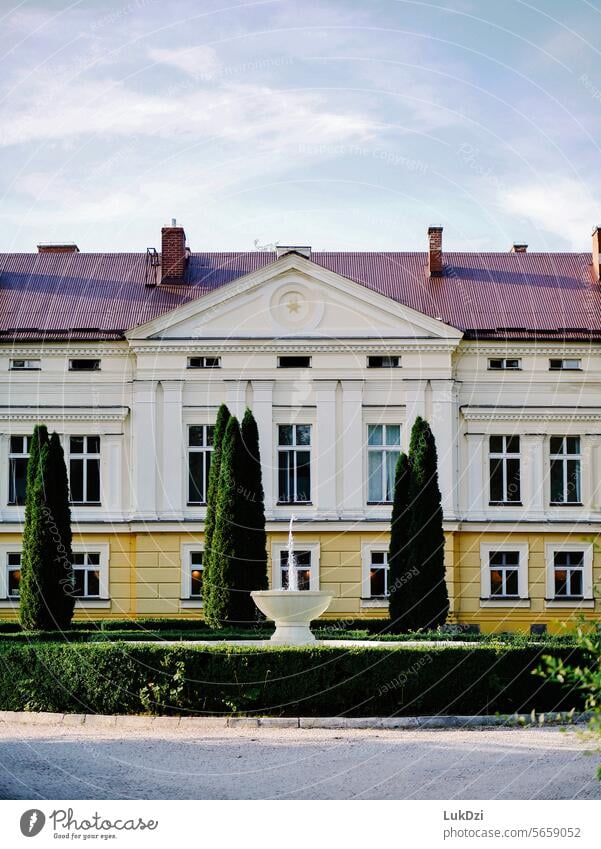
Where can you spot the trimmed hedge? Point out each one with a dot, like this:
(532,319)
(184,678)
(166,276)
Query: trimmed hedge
(310,681)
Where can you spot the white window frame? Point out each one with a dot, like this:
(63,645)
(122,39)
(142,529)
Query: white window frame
(276,550)
(198,449)
(7,548)
(486,600)
(85,456)
(367,600)
(30,364)
(15,456)
(384,449)
(102,548)
(565,457)
(564,364)
(504,361)
(295,448)
(394,361)
(588,600)
(186,601)
(203,360)
(504,455)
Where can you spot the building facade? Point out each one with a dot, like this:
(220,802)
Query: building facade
(128,357)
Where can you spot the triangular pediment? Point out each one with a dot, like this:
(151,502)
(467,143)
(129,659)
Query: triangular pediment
(294,297)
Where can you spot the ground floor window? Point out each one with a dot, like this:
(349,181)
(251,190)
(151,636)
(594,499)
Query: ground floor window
(378,574)
(306,556)
(568,567)
(86,574)
(196,570)
(504,574)
(302,561)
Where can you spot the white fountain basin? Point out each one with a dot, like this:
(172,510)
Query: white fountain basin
(292,613)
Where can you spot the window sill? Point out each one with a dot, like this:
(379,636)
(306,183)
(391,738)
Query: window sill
(294,504)
(504,602)
(196,503)
(374,602)
(565,504)
(505,504)
(190,603)
(9,603)
(95,603)
(85,503)
(379,503)
(583,603)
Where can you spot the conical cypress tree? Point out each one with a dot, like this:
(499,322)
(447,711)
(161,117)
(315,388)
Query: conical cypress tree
(252,573)
(226,540)
(399,576)
(223,416)
(426,545)
(57,499)
(37,559)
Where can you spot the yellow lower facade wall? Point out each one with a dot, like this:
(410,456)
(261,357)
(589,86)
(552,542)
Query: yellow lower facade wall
(145,576)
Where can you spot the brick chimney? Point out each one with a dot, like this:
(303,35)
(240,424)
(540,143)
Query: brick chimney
(435,266)
(518,249)
(173,253)
(66,248)
(597,252)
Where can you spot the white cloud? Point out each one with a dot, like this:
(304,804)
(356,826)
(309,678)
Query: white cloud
(199,61)
(564,208)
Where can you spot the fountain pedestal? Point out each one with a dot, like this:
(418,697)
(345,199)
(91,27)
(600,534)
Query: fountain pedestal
(292,612)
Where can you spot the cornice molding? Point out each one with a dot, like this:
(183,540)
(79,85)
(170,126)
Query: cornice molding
(102,349)
(533,348)
(531,415)
(387,346)
(35,414)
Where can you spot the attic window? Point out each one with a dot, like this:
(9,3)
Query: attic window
(383,362)
(25,365)
(84,365)
(565,365)
(204,362)
(504,364)
(294,362)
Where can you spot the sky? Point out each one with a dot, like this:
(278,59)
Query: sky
(338,124)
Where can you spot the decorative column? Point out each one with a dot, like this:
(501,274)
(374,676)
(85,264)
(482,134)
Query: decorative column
(415,405)
(591,469)
(324,450)
(144,450)
(171,483)
(444,424)
(112,470)
(262,406)
(533,475)
(236,397)
(353,440)
(477,476)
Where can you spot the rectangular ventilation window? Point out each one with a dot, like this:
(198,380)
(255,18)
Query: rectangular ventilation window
(294,362)
(204,362)
(383,362)
(504,364)
(84,365)
(565,365)
(25,365)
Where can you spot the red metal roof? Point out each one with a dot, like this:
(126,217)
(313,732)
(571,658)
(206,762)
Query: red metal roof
(486,295)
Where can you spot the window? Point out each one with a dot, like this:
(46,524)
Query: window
(200,448)
(383,362)
(565,365)
(84,365)
(84,469)
(25,365)
(565,469)
(294,362)
(378,574)
(504,364)
(303,569)
(13,573)
(504,574)
(383,448)
(294,464)
(17,468)
(504,460)
(204,362)
(568,568)
(196,568)
(86,574)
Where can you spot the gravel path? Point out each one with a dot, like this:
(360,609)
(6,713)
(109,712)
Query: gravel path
(264,763)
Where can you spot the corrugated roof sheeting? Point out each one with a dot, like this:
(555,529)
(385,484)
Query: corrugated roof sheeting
(102,295)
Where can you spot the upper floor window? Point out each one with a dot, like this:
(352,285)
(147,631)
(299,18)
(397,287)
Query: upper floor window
(383,449)
(383,362)
(84,365)
(84,469)
(17,468)
(200,448)
(504,574)
(565,365)
(505,364)
(294,463)
(504,461)
(13,573)
(568,573)
(565,470)
(294,362)
(204,362)
(302,564)
(86,574)
(25,365)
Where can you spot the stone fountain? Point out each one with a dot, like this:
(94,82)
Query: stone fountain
(292,609)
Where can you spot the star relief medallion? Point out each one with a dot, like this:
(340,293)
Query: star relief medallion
(293,305)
